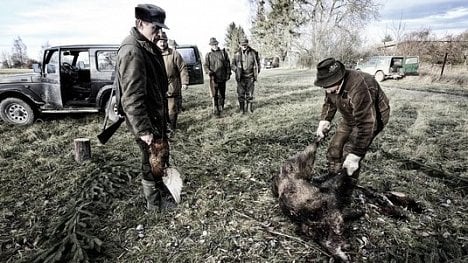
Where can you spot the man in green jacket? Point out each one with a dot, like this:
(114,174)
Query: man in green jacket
(246,65)
(365,111)
(143,81)
(177,75)
(217,66)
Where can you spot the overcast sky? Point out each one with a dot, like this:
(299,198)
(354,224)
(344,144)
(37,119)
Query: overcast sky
(190,21)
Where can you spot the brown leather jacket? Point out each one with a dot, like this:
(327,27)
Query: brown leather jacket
(177,72)
(363,105)
(143,83)
(246,64)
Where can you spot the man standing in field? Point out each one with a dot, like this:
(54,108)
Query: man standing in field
(217,66)
(177,75)
(365,111)
(246,65)
(143,84)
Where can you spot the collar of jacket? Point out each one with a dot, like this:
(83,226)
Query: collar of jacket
(166,52)
(344,85)
(144,42)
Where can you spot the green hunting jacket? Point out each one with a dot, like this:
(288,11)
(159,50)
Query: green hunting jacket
(177,72)
(363,106)
(246,64)
(217,64)
(143,83)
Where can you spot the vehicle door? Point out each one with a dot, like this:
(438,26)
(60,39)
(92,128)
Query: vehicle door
(411,65)
(49,90)
(192,58)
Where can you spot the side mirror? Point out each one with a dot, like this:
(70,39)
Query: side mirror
(36,68)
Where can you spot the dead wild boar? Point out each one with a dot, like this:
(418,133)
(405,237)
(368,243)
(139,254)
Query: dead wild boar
(315,207)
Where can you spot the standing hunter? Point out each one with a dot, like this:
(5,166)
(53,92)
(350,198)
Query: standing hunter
(143,83)
(177,75)
(246,65)
(365,111)
(217,66)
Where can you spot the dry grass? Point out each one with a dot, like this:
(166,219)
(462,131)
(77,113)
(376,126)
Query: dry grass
(227,212)
(6,72)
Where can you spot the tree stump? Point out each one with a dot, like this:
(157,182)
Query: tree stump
(82,149)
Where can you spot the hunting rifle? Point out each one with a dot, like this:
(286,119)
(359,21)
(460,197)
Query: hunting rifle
(106,133)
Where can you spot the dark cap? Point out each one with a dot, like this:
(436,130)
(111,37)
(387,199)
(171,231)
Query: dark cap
(151,13)
(213,41)
(162,35)
(329,72)
(243,41)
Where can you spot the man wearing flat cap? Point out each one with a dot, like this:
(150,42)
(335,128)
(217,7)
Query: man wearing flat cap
(364,108)
(217,66)
(143,85)
(177,75)
(246,65)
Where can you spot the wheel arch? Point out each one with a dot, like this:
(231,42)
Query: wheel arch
(12,94)
(103,96)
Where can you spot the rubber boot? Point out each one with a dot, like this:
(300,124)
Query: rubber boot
(152,194)
(345,197)
(215,107)
(242,107)
(173,122)
(221,103)
(249,107)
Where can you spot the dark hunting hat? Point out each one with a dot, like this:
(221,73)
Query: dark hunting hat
(151,13)
(329,72)
(213,41)
(162,35)
(243,41)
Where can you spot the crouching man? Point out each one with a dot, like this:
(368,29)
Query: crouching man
(365,111)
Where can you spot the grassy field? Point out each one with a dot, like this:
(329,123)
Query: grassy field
(53,209)
(7,72)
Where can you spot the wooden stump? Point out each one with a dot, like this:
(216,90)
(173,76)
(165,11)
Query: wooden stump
(82,149)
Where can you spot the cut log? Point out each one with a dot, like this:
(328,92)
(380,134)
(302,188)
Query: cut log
(82,149)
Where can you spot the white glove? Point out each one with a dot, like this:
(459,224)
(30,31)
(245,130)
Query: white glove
(323,127)
(148,138)
(351,163)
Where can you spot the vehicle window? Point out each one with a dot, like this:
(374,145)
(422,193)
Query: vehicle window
(83,60)
(188,54)
(67,57)
(411,61)
(52,65)
(106,60)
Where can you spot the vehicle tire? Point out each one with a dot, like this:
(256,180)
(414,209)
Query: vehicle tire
(111,110)
(379,76)
(16,111)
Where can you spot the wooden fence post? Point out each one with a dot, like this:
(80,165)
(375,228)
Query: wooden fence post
(82,149)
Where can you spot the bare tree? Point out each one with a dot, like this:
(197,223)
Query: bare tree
(313,29)
(6,60)
(19,55)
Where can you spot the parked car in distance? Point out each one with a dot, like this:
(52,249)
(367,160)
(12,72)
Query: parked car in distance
(72,79)
(384,67)
(192,59)
(271,62)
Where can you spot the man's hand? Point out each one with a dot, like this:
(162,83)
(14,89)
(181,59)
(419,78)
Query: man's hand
(322,129)
(351,163)
(184,87)
(148,138)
